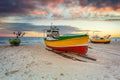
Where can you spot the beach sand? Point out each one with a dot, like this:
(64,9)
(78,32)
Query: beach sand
(34,62)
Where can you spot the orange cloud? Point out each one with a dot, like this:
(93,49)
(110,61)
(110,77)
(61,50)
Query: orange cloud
(75,13)
(85,8)
(56,11)
(93,9)
(39,12)
(102,10)
(6,35)
(78,9)
(118,10)
(57,1)
(106,9)
(54,3)
(50,6)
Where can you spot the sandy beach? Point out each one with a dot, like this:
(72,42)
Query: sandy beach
(34,62)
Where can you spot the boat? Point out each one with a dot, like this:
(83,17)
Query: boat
(66,43)
(97,39)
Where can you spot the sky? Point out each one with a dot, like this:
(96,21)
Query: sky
(71,16)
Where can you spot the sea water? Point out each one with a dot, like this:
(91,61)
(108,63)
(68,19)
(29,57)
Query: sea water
(115,39)
(24,40)
(33,40)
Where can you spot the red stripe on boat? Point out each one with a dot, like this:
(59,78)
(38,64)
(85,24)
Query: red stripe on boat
(76,49)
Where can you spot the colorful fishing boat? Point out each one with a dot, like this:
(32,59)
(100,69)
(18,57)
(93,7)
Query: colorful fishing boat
(71,43)
(97,39)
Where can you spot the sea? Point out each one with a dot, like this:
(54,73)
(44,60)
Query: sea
(24,40)
(33,40)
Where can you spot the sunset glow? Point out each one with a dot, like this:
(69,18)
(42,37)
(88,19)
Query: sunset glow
(82,15)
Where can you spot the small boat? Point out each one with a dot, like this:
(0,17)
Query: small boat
(67,43)
(97,39)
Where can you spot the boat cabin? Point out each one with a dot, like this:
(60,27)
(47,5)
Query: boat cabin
(52,33)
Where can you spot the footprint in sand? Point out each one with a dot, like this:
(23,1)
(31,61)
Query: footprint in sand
(11,72)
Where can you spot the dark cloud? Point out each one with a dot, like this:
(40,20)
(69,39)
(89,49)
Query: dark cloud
(29,27)
(42,7)
(81,2)
(100,3)
(13,7)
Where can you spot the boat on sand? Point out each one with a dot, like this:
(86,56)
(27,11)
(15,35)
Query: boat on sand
(67,43)
(97,39)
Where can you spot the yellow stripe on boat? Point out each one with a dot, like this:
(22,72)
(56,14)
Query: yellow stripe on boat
(67,42)
(101,40)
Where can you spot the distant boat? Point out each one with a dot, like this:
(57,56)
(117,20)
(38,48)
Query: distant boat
(97,39)
(67,43)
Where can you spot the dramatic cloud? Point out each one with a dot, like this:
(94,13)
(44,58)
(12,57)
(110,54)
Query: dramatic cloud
(100,3)
(57,8)
(16,15)
(15,7)
(10,27)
